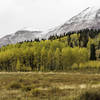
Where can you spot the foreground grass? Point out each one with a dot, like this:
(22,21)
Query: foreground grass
(48,86)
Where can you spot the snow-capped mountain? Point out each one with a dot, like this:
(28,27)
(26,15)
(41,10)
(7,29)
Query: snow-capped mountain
(88,18)
(20,36)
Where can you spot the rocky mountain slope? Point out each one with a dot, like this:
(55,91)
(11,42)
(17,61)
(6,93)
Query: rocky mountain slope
(88,18)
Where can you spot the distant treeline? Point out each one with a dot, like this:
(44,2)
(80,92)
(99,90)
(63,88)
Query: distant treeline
(59,53)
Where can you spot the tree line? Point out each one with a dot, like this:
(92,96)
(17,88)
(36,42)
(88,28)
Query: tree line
(59,53)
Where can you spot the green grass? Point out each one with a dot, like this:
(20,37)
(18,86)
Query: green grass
(48,86)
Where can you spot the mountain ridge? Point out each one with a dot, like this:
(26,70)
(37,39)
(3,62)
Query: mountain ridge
(88,18)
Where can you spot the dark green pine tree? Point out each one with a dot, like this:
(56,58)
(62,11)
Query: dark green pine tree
(92,52)
(69,40)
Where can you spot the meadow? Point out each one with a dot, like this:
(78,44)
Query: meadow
(49,86)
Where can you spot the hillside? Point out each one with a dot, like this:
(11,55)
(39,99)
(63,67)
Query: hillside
(71,51)
(88,18)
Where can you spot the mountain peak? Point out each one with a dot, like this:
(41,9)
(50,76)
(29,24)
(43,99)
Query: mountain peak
(31,28)
(88,18)
(88,14)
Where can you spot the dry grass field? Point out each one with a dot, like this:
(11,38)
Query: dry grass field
(48,86)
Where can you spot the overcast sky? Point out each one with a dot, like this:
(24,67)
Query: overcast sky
(41,14)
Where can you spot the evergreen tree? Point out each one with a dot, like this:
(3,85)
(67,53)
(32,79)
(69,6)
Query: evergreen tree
(69,39)
(92,52)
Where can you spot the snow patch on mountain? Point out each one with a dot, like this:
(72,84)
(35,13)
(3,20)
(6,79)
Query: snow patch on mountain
(88,18)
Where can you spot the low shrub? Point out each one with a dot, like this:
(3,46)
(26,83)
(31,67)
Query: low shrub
(14,85)
(28,87)
(54,91)
(36,92)
(90,95)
